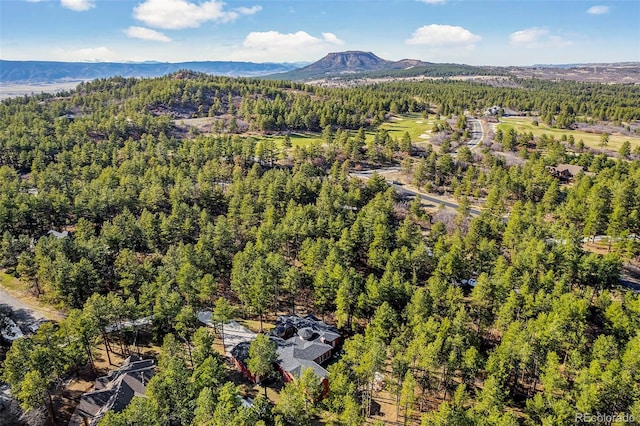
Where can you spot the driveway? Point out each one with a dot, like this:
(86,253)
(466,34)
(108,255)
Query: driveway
(234,332)
(24,315)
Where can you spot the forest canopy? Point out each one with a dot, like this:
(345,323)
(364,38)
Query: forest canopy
(163,224)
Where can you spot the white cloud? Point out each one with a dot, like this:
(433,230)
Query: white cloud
(598,10)
(90,54)
(248,10)
(528,36)
(433,1)
(276,46)
(178,14)
(146,34)
(537,37)
(78,5)
(332,39)
(274,40)
(443,35)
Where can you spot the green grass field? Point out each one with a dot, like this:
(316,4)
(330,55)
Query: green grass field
(412,123)
(297,139)
(590,139)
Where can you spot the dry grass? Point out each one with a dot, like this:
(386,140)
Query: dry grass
(254,325)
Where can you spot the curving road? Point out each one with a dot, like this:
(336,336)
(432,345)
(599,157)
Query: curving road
(477,133)
(25,314)
(402,190)
(21,312)
(477,137)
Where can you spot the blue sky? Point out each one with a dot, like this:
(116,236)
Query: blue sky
(505,32)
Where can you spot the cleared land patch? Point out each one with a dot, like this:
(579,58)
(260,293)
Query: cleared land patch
(12,283)
(301,139)
(418,128)
(521,124)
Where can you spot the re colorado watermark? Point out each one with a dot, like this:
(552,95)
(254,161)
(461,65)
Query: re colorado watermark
(601,418)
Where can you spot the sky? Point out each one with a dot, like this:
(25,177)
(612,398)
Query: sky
(476,32)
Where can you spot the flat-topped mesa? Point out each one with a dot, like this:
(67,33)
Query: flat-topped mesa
(350,61)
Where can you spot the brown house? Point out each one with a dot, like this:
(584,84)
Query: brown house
(565,172)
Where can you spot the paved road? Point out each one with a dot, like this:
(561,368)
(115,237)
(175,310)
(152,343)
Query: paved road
(27,315)
(477,133)
(402,190)
(23,314)
(234,332)
(477,137)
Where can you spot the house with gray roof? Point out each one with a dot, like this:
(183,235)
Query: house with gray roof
(58,235)
(301,343)
(309,328)
(114,391)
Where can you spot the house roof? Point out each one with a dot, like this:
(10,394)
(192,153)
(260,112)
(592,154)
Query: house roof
(114,391)
(299,342)
(302,365)
(309,350)
(241,351)
(58,234)
(570,168)
(293,358)
(324,331)
(130,365)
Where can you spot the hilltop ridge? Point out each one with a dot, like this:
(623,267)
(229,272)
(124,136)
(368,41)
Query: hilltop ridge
(49,72)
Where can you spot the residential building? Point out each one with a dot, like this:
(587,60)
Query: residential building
(301,343)
(114,391)
(565,172)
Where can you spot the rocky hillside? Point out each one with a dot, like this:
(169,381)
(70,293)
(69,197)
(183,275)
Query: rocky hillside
(347,62)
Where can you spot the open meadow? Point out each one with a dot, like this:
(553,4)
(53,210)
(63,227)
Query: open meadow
(413,123)
(525,124)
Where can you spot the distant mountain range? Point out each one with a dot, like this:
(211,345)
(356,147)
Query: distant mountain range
(50,72)
(339,64)
(587,65)
(334,66)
